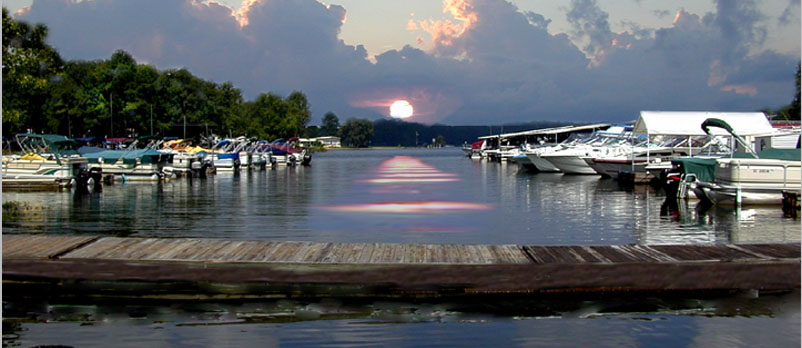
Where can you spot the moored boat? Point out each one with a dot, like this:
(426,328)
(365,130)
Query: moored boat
(48,160)
(743,178)
(131,163)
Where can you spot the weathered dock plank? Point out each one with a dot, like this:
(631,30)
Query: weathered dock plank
(702,252)
(211,250)
(273,267)
(37,247)
(780,251)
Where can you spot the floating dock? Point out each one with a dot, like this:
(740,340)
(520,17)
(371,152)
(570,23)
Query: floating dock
(190,268)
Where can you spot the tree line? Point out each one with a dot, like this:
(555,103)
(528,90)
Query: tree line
(120,97)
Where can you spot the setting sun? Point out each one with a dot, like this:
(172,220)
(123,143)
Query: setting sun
(401,109)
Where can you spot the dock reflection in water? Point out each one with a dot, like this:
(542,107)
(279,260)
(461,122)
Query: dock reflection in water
(503,321)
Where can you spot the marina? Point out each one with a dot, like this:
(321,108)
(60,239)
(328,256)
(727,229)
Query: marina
(388,236)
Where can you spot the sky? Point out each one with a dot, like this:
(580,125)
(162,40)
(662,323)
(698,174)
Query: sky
(457,62)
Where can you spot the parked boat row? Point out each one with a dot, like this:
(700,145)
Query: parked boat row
(747,159)
(55,160)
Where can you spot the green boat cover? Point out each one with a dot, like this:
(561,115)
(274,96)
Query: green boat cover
(148,156)
(703,168)
(778,154)
(57,143)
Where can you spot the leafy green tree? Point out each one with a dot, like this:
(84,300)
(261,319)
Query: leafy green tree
(356,132)
(298,114)
(311,132)
(440,141)
(28,66)
(119,97)
(263,118)
(330,125)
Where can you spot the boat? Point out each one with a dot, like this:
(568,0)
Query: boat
(48,160)
(762,180)
(286,154)
(477,149)
(504,147)
(187,158)
(131,163)
(261,155)
(675,134)
(635,159)
(743,178)
(467,149)
(571,158)
(224,156)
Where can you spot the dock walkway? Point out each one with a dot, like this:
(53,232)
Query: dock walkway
(217,268)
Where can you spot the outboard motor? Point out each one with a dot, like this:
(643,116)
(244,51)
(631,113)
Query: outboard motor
(307,159)
(87,181)
(96,174)
(671,181)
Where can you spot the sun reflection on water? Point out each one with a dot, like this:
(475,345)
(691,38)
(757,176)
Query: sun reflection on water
(400,176)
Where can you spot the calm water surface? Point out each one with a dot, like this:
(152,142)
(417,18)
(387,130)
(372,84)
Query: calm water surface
(409,196)
(441,196)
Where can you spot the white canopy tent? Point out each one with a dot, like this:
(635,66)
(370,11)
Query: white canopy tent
(690,123)
(547,131)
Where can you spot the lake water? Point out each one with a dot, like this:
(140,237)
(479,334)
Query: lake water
(409,196)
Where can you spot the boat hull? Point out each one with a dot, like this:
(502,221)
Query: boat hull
(542,164)
(570,164)
(752,181)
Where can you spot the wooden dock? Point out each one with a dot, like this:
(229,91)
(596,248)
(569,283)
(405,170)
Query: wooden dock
(215,268)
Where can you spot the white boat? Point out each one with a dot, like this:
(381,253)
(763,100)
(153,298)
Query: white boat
(503,153)
(552,140)
(48,159)
(131,165)
(677,125)
(185,157)
(744,181)
(224,157)
(284,153)
(503,147)
(744,177)
(634,160)
(571,159)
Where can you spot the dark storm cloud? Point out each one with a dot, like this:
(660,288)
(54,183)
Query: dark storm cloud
(491,64)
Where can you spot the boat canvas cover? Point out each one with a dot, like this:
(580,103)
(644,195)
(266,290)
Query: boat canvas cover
(703,168)
(776,154)
(690,123)
(549,131)
(147,156)
(281,149)
(478,145)
(56,143)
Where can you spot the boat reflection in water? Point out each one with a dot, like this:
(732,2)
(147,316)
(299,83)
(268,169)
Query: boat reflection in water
(700,222)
